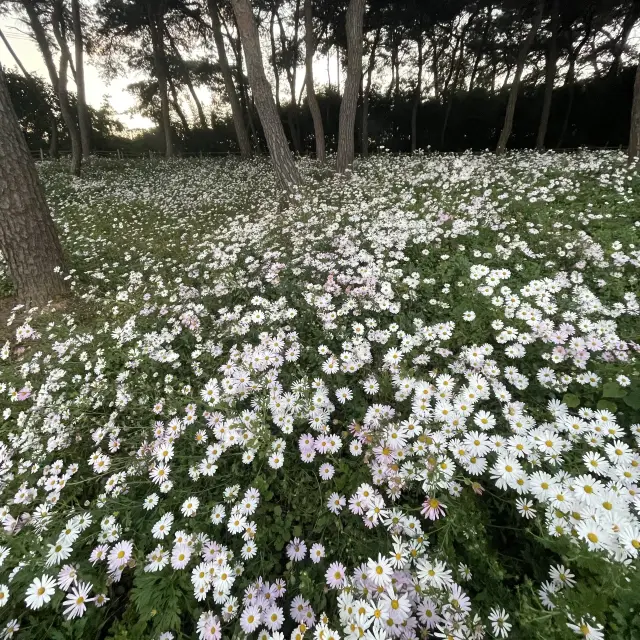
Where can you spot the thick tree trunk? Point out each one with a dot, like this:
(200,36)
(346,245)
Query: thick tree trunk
(550,75)
(28,238)
(65,108)
(515,86)
(349,104)
(156,27)
(417,98)
(283,162)
(364,131)
(59,31)
(84,118)
(314,107)
(236,108)
(634,136)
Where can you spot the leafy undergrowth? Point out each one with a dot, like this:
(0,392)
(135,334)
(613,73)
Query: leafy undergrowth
(400,405)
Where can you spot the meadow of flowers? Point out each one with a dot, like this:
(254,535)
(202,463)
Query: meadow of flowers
(403,404)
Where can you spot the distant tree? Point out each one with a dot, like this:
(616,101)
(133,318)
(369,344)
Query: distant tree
(314,107)
(28,238)
(354,27)
(58,76)
(242,135)
(83,111)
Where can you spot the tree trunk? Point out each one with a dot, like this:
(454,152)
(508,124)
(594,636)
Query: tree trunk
(550,76)
(452,93)
(43,45)
(634,136)
(284,165)
(28,238)
(417,98)
(364,133)
(53,141)
(176,105)
(570,83)
(349,104)
(156,27)
(434,68)
(14,55)
(236,108)
(292,108)
(84,118)
(314,107)
(248,106)
(515,86)
(57,20)
(274,57)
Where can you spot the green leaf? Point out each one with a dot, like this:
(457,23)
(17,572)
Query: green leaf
(571,400)
(277,510)
(607,405)
(633,399)
(613,390)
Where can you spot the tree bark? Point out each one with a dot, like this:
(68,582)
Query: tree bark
(314,107)
(515,86)
(84,118)
(283,162)
(28,238)
(417,98)
(242,135)
(348,106)
(634,136)
(364,133)
(156,27)
(57,20)
(550,76)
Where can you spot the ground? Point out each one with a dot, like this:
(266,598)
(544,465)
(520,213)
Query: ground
(396,403)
